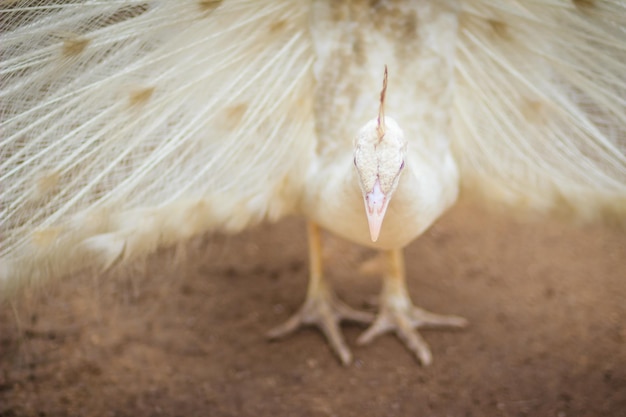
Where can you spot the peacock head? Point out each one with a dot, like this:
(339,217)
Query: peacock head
(379,151)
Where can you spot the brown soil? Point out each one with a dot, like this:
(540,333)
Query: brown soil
(183,334)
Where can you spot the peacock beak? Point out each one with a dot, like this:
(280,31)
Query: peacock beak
(376,203)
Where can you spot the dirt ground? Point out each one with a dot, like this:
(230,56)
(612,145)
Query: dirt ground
(183,334)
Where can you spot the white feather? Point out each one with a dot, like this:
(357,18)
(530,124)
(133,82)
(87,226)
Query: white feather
(127,125)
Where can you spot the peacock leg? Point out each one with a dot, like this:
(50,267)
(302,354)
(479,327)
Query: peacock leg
(322,308)
(398,313)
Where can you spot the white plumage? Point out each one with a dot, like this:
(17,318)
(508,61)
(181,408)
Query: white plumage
(127,125)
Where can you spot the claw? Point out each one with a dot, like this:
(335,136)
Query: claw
(404,323)
(398,314)
(326,312)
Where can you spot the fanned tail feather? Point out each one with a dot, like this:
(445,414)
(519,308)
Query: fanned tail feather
(133,124)
(540,109)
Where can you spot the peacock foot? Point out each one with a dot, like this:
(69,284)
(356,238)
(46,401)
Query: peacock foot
(325,311)
(404,318)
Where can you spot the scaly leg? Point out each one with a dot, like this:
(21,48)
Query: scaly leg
(322,308)
(398,313)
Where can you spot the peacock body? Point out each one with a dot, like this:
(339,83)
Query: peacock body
(128,125)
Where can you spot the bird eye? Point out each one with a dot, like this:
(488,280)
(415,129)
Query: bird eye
(402,165)
(355,161)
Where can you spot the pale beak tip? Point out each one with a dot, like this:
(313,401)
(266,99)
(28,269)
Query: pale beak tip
(375,224)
